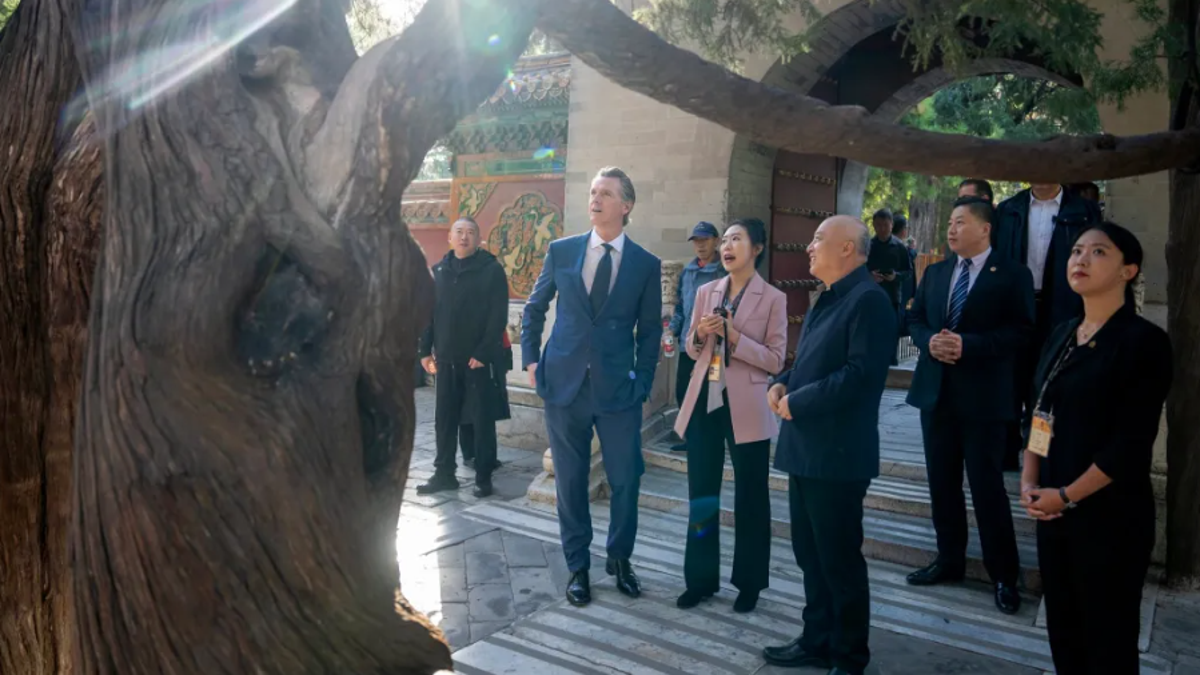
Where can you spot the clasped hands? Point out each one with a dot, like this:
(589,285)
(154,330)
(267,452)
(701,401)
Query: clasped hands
(777,400)
(880,278)
(946,347)
(715,324)
(1042,503)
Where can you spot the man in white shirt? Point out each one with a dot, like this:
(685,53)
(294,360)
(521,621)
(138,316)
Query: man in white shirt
(1037,228)
(595,372)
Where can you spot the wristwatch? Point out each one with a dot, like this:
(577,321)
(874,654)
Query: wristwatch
(1067,503)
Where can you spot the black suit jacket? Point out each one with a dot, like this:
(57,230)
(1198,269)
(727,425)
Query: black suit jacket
(836,383)
(1010,240)
(996,326)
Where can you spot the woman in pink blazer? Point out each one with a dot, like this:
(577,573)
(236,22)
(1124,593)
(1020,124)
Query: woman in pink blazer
(737,337)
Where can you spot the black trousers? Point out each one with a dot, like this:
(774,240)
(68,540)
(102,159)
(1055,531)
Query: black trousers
(1093,571)
(707,435)
(950,442)
(683,375)
(827,538)
(478,437)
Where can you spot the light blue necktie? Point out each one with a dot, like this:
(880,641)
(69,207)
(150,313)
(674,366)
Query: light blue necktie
(959,298)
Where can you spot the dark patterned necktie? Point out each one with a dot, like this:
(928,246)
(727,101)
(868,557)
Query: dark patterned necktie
(602,281)
(960,294)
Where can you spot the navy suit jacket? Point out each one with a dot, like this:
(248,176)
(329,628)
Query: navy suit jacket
(996,326)
(620,345)
(837,381)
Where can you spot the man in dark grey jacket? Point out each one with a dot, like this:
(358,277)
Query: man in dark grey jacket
(705,267)
(829,447)
(464,346)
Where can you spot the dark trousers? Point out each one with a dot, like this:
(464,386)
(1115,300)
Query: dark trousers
(478,437)
(1092,576)
(707,436)
(683,375)
(950,442)
(570,430)
(1027,362)
(827,538)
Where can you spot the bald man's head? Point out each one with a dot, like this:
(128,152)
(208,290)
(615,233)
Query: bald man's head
(839,246)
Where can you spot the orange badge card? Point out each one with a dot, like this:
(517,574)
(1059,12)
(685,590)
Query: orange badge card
(714,368)
(1040,433)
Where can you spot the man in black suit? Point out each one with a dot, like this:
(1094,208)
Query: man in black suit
(971,318)
(829,446)
(1037,228)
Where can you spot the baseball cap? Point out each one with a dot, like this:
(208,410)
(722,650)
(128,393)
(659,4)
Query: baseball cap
(704,229)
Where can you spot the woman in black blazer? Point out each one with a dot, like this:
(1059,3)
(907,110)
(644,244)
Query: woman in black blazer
(1099,392)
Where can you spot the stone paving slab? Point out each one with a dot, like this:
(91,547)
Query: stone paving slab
(959,616)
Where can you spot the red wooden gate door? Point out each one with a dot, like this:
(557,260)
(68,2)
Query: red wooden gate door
(804,194)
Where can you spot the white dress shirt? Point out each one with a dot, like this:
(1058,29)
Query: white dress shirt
(1041,233)
(595,253)
(977,264)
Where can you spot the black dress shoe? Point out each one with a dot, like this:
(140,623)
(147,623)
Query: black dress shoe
(690,599)
(579,589)
(1008,600)
(627,581)
(792,655)
(483,488)
(439,483)
(746,602)
(937,573)
(679,447)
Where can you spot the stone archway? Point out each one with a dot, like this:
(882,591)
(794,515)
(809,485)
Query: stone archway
(854,60)
(853,176)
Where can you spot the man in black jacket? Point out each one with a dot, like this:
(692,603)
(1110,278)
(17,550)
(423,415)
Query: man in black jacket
(829,446)
(971,318)
(1037,228)
(464,346)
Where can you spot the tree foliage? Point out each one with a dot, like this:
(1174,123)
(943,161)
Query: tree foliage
(7,7)
(1002,107)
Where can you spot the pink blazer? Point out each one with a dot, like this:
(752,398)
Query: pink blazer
(762,320)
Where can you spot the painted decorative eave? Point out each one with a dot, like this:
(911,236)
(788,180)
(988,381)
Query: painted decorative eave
(536,82)
(425,212)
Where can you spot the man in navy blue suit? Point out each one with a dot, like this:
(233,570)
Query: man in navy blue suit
(829,446)
(595,372)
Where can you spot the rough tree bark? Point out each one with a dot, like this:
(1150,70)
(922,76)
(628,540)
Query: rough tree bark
(48,223)
(616,46)
(1183,321)
(246,424)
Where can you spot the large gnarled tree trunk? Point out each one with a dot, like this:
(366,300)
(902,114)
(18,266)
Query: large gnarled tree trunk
(247,419)
(1183,303)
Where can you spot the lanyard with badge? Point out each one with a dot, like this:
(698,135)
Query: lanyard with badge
(1041,428)
(720,354)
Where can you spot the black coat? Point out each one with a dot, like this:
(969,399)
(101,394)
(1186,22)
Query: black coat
(1010,240)
(836,383)
(996,325)
(470,317)
(1107,401)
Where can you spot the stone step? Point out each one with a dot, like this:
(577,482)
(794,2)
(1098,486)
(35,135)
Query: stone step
(887,493)
(892,536)
(650,635)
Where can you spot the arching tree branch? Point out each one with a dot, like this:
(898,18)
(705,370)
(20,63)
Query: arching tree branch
(410,90)
(619,48)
